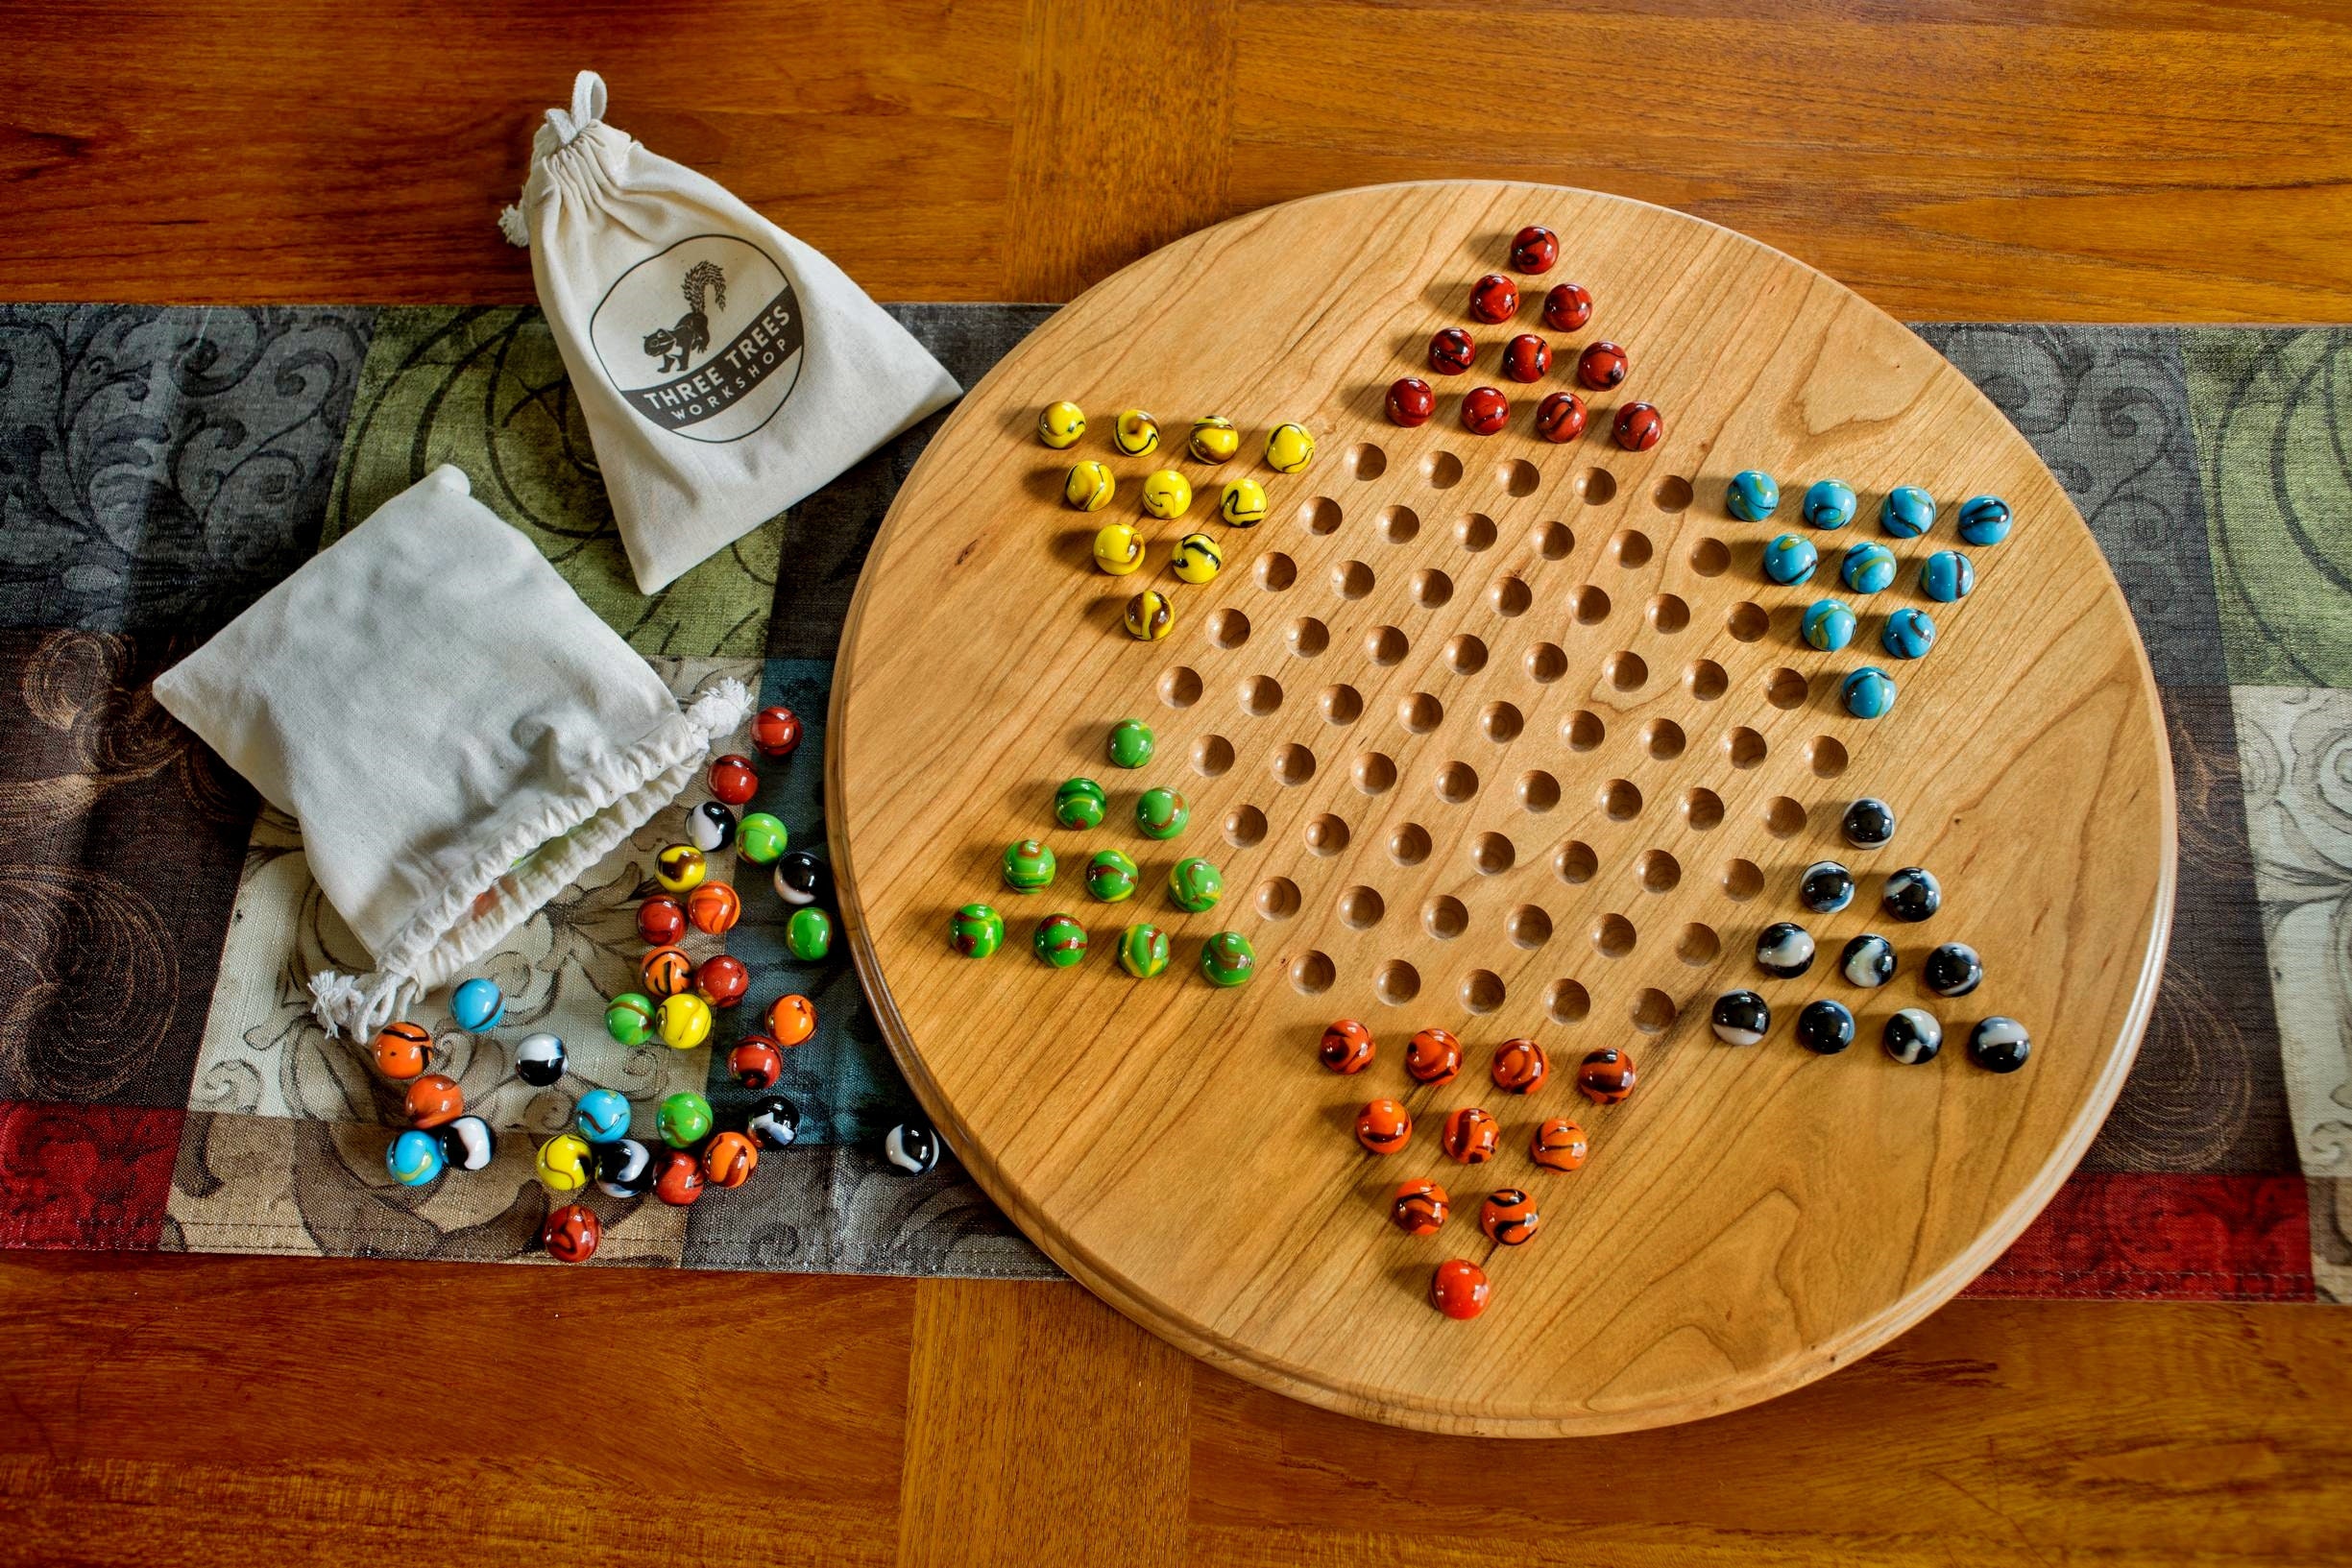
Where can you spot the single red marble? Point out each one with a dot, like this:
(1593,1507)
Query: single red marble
(1601,366)
(1472,1135)
(1561,416)
(1383,1126)
(1508,1216)
(776,731)
(1534,249)
(1411,402)
(1606,1074)
(734,780)
(1494,298)
(1639,426)
(1451,351)
(1484,410)
(1526,358)
(1459,1288)
(722,980)
(1419,1208)
(1567,307)
(1433,1056)
(572,1233)
(1347,1046)
(660,920)
(1520,1066)
(756,1061)
(1557,1144)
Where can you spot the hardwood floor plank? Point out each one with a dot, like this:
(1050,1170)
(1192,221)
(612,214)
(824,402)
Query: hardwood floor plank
(1041,1428)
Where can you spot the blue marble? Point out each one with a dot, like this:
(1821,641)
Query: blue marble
(602,1116)
(1828,625)
(1908,512)
(1867,566)
(1953,969)
(1784,949)
(1868,961)
(1825,1028)
(1946,576)
(413,1158)
(1869,692)
(1913,1036)
(1913,893)
(1752,496)
(1908,633)
(1999,1045)
(1869,824)
(1825,887)
(1740,1018)
(1984,519)
(1790,559)
(1830,503)
(478,1005)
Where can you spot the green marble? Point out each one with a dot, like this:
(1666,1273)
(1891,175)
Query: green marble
(976,930)
(1028,866)
(1143,950)
(684,1119)
(1195,885)
(1228,959)
(808,935)
(1060,941)
(1079,803)
(761,838)
(1130,742)
(1161,814)
(1111,876)
(629,1019)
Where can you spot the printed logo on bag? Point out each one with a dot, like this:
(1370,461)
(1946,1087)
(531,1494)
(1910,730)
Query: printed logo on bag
(721,369)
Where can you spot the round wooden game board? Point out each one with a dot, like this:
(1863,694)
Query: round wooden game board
(1511,739)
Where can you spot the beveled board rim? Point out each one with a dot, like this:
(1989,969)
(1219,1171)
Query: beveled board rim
(1852,1340)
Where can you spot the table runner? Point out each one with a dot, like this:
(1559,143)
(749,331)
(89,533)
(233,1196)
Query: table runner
(163,1087)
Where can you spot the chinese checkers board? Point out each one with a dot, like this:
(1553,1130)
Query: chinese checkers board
(1514,739)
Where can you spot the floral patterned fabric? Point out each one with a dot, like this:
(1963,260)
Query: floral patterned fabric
(163,1085)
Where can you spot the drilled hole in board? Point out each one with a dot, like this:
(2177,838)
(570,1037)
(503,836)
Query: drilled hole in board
(1319,514)
(1431,588)
(1552,541)
(1627,672)
(1341,704)
(1229,628)
(1509,596)
(1746,623)
(1630,549)
(1456,782)
(1474,532)
(1397,982)
(1245,827)
(1492,855)
(1482,991)
(1654,1011)
(1444,918)
(1704,679)
(1259,695)
(1539,791)
(1277,898)
(1575,864)
(1307,636)
(1697,944)
(1352,579)
(1662,738)
(1517,477)
(1672,495)
(1293,764)
(1783,818)
(1568,1002)
(1466,655)
(1326,836)
(1360,907)
(1743,747)
(1544,663)
(1365,461)
(1399,524)
(1443,470)
(1420,712)
(1276,572)
(1702,809)
(1620,800)
(1668,614)
(1386,646)
(1312,973)
(1409,845)
(1658,871)
(1528,927)
(1613,936)
(1212,756)
(1786,688)
(1595,487)
(1180,687)
(1583,729)
(1826,756)
(1741,880)
(1501,722)
(1374,773)
(1710,558)
(1588,604)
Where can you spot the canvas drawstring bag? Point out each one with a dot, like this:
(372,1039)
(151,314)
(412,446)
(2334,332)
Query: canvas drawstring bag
(459,735)
(725,370)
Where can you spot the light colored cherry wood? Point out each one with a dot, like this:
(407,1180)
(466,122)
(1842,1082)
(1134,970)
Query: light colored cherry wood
(1751,1217)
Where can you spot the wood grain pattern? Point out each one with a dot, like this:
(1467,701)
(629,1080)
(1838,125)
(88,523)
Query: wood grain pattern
(2086,160)
(1506,827)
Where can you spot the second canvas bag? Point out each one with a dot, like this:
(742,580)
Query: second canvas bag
(725,370)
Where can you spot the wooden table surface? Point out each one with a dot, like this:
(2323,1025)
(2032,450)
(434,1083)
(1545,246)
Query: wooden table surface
(2170,161)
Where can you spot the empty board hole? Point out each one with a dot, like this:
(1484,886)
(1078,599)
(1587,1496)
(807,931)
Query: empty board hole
(1360,907)
(1575,864)
(1420,712)
(1291,765)
(1352,579)
(1746,623)
(1443,470)
(1658,871)
(1374,772)
(1474,532)
(1783,817)
(1212,756)
(1229,628)
(1245,827)
(1668,614)
(1180,687)
(1308,636)
(1528,927)
(1826,756)
(1399,524)
(1702,809)
(1319,514)
(1509,596)
(1312,973)
(1786,688)
(1276,572)
(1397,982)
(1444,918)
(1613,936)
(1277,898)
(1583,729)
(1386,646)
(1492,855)
(1743,747)
(1741,880)
(1431,588)
(1704,679)
(1501,722)
(1710,558)
(1672,494)
(1588,604)
(1552,541)
(1365,461)
(1482,991)
(1698,944)
(1595,487)
(1326,836)
(1568,1002)
(1466,655)
(1259,695)
(1538,791)
(1619,800)
(1653,1011)
(1517,477)
(1630,549)
(1544,663)
(1409,844)
(1662,738)
(1456,782)
(1341,704)
(1626,670)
